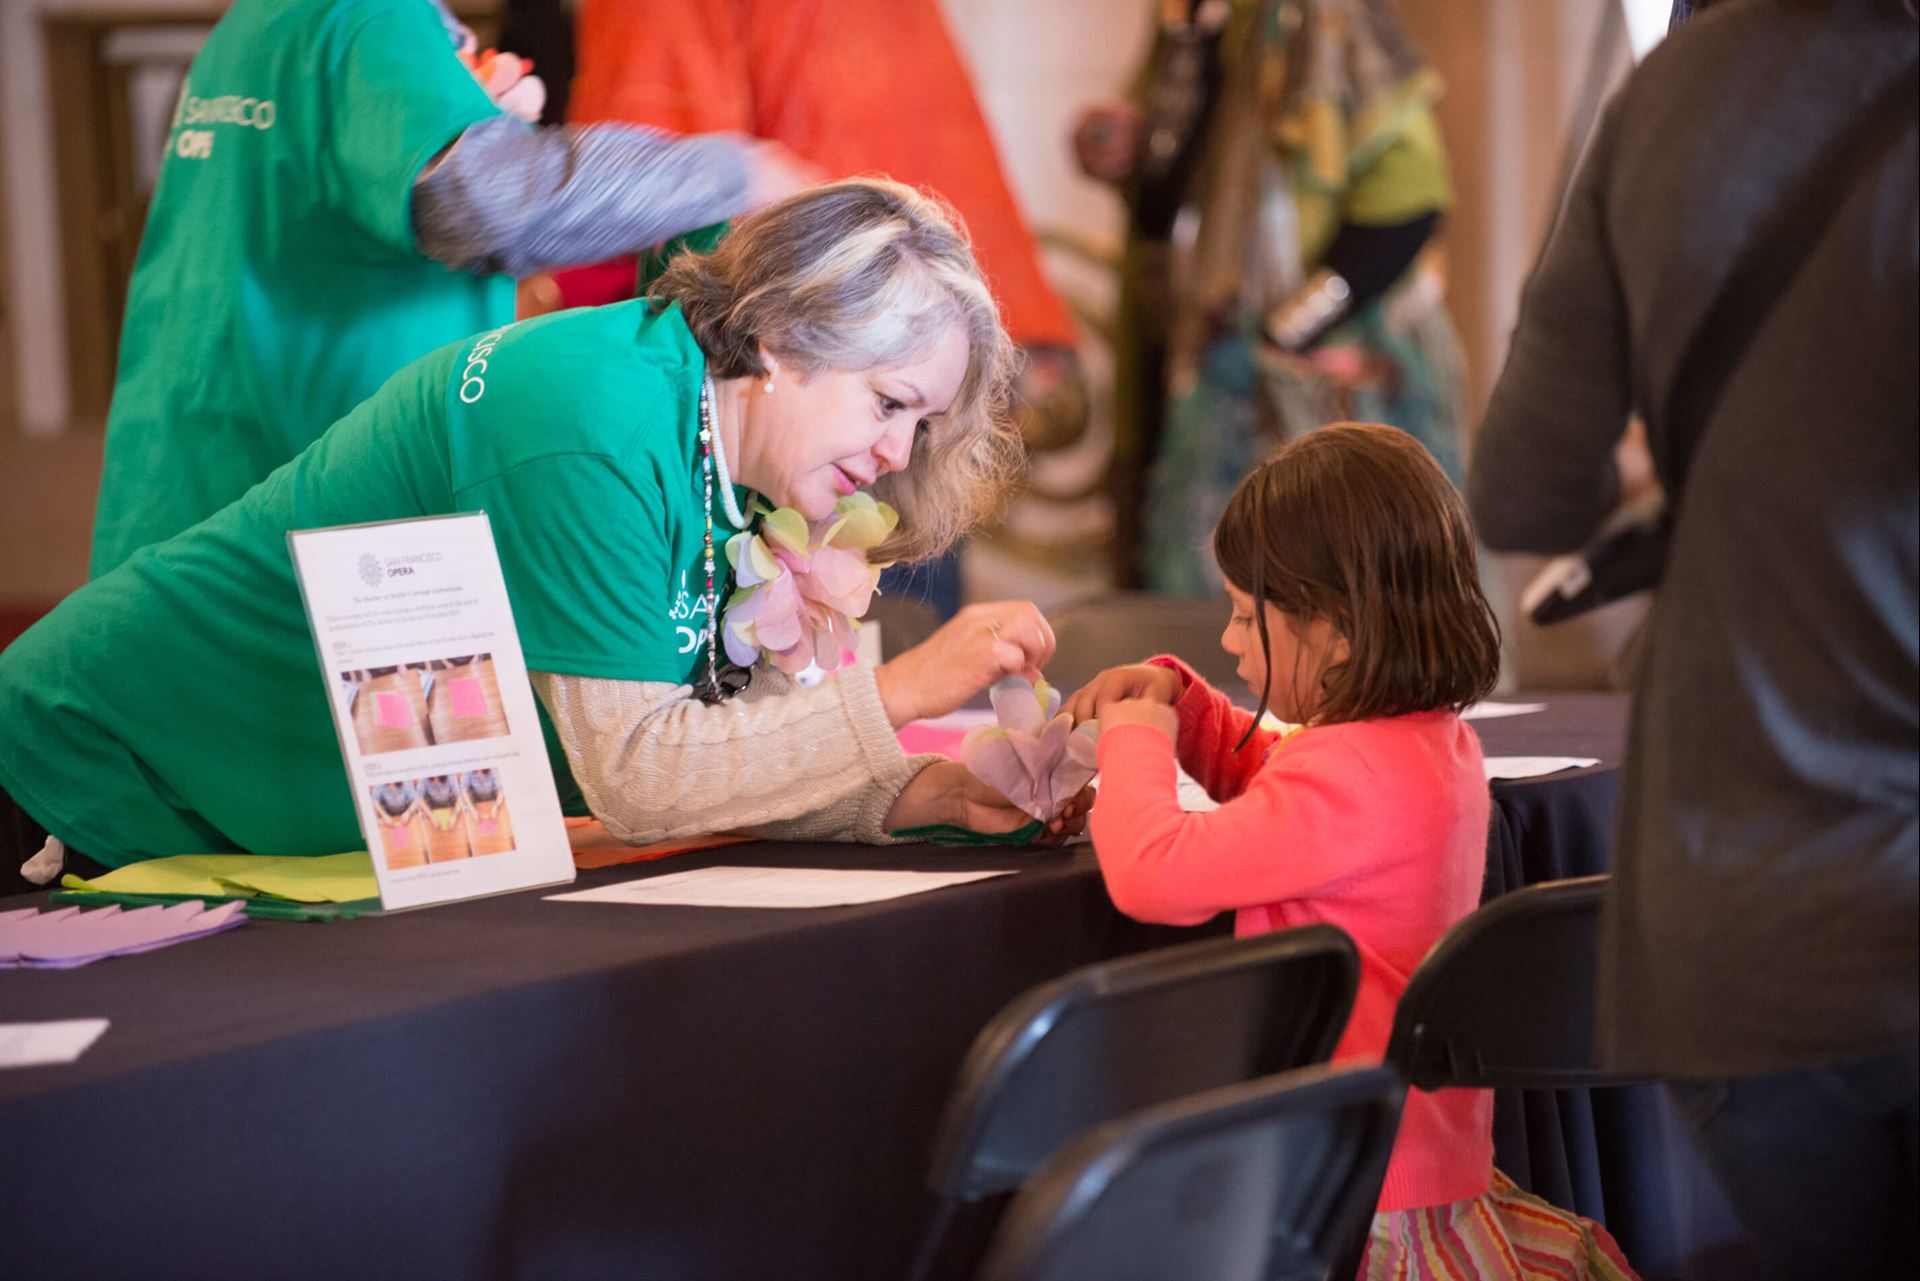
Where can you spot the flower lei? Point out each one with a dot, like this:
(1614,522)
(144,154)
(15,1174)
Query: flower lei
(802,588)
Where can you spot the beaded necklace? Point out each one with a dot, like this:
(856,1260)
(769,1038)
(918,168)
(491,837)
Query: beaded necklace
(718,688)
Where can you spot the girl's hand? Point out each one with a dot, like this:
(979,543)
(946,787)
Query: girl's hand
(1138,681)
(1141,711)
(971,651)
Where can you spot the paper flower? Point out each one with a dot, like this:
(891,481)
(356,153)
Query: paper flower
(1034,756)
(800,588)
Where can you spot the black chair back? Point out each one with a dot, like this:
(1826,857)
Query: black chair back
(1110,1039)
(1255,1182)
(1127,627)
(1506,998)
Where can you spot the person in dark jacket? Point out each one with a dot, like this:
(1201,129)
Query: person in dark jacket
(1759,948)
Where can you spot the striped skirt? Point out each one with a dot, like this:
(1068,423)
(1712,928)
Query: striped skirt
(1505,1235)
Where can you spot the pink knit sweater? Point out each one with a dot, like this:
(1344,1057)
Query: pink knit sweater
(1378,827)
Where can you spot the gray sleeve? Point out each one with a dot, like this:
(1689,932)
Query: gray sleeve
(1542,476)
(509,197)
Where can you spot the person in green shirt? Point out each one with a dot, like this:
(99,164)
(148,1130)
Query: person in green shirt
(842,339)
(340,195)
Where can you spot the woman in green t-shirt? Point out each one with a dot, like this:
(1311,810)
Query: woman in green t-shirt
(841,340)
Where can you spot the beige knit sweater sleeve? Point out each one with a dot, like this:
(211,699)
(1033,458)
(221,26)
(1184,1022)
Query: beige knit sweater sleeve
(782,761)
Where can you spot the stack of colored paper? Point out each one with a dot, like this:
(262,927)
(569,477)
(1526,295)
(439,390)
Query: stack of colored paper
(65,937)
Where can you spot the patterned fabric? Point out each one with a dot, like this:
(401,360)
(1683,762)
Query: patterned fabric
(514,199)
(1505,1235)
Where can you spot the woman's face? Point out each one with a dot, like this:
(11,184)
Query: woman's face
(1300,653)
(812,441)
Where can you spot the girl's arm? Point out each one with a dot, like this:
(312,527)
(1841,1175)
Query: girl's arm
(1287,835)
(1210,728)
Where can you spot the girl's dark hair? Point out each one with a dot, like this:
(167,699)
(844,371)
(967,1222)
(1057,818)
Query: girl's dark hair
(1356,523)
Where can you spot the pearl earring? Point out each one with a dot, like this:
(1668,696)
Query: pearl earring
(767,386)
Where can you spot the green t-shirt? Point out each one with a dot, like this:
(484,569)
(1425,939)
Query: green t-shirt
(175,705)
(278,283)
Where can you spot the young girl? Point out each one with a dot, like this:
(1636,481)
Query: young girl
(1358,617)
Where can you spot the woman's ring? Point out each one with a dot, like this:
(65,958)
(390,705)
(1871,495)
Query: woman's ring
(993,628)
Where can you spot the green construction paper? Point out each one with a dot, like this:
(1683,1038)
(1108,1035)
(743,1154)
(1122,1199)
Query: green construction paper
(949,834)
(271,909)
(331,878)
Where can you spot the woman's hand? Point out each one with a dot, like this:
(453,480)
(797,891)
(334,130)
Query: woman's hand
(1106,139)
(1139,681)
(945,792)
(1141,711)
(971,651)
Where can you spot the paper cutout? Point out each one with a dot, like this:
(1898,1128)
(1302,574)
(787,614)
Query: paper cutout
(328,878)
(68,937)
(762,887)
(467,696)
(1034,756)
(1534,766)
(392,710)
(942,734)
(45,1044)
(594,846)
(1491,711)
(949,834)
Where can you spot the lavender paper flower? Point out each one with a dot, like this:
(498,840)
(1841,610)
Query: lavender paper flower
(802,587)
(1034,756)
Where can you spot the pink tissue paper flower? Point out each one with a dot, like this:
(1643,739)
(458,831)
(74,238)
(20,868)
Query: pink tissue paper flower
(1034,756)
(800,588)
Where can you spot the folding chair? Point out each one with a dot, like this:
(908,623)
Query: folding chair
(1126,627)
(1113,1038)
(1505,1001)
(1506,998)
(1256,1182)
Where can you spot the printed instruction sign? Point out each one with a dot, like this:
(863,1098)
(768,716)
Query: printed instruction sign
(432,705)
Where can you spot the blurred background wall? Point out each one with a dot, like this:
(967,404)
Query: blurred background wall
(88,86)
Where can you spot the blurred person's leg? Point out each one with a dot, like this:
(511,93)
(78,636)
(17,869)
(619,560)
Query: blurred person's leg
(1818,1163)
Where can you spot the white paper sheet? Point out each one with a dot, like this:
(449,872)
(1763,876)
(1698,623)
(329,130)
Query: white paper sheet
(39,1044)
(1193,797)
(771,887)
(1491,711)
(1535,766)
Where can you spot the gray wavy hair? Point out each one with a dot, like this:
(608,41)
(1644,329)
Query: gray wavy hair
(855,275)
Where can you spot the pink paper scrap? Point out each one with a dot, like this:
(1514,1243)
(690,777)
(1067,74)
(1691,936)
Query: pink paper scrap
(393,711)
(468,696)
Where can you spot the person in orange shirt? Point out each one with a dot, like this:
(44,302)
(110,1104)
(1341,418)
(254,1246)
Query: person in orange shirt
(853,86)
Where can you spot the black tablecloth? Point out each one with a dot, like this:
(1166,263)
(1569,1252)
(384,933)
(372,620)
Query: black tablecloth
(518,1088)
(513,1087)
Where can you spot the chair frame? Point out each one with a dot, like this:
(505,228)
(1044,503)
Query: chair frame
(1011,1039)
(1057,1201)
(1429,1057)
